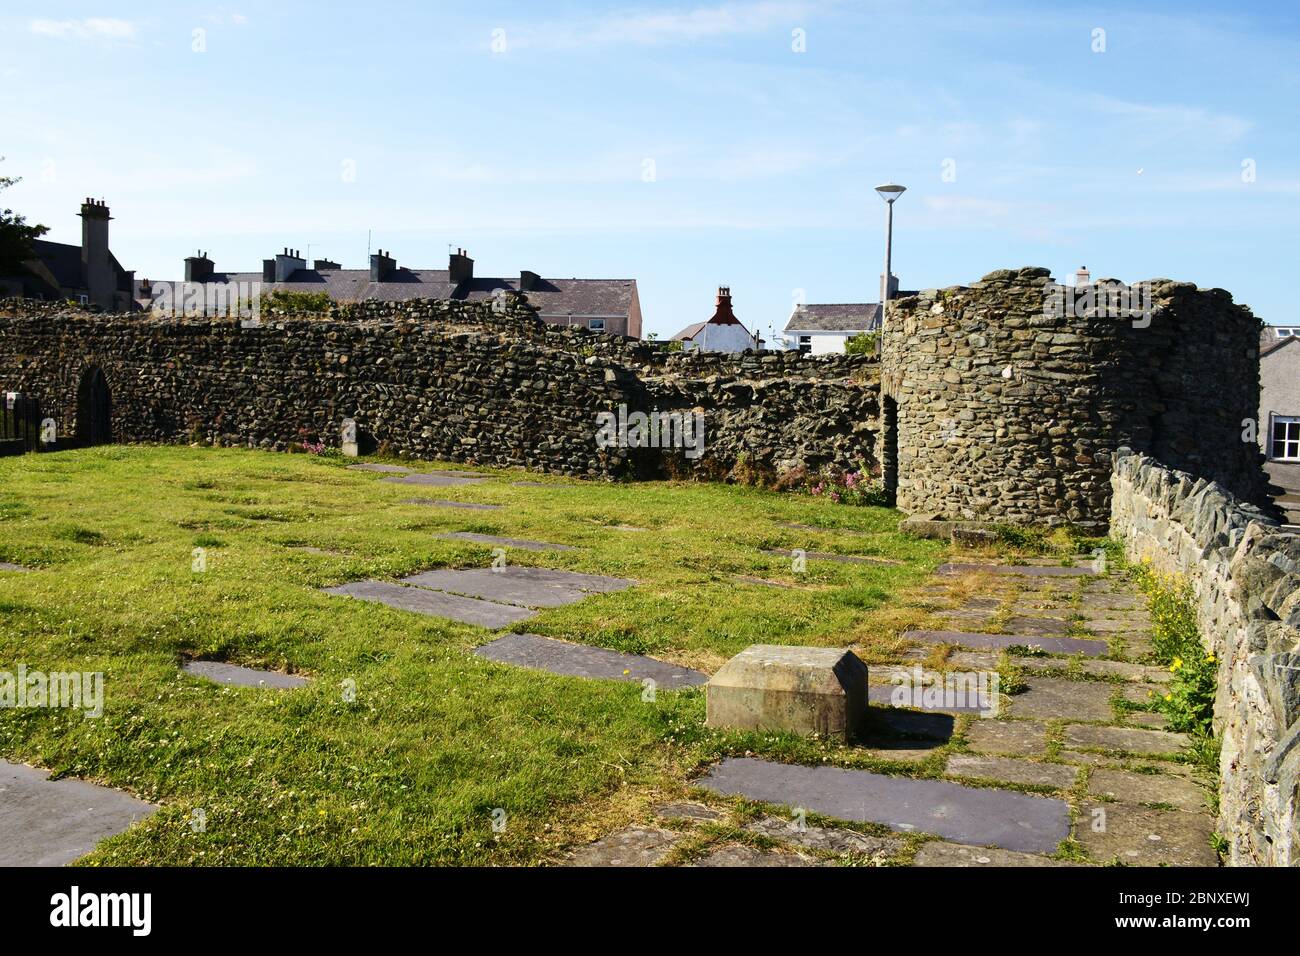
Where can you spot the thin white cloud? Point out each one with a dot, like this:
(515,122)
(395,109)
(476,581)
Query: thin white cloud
(91,28)
(1164,120)
(655,27)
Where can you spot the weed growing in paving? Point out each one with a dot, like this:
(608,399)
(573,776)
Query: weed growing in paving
(1188,702)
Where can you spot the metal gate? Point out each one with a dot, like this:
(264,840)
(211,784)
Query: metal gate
(20,424)
(94,409)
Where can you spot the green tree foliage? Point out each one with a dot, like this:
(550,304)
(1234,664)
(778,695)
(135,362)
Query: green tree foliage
(15,234)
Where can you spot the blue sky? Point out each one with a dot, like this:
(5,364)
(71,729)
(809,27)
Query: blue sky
(685,145)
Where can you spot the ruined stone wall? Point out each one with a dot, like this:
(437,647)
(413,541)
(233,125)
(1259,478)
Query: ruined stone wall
(1245,574)
(455,381)
(1010,411)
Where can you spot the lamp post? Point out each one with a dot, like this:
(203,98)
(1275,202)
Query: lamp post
(888,192)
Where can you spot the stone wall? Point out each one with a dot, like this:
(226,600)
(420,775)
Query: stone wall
(1010,411)
(476,382)
(1245,575)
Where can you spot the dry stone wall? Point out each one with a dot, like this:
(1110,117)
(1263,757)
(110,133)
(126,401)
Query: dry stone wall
(1008,410)
(485,383)
(1244,571)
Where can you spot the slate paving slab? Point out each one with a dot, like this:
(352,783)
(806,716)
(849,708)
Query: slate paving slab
(1024,737)
(426,478)
(941,853)
(1139,836)
(494,539)
(579,660)
(1013,821)
(632,846)
(892,722)
(47,822)
(1130,739)
(375,466)
(1037,626)
(435,603)
(1025,570)
(1050,698)
(688,811)
(1052,645)
(827,556)
(1006,770)
(516,584)
(6,566)
(443,503)
(828,839)
(1127,787)
(235,676)
(737,854)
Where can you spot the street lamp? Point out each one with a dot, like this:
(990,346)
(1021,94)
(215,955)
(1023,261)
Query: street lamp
(888,192)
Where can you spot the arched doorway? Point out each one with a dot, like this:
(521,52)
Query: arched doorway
(94,409)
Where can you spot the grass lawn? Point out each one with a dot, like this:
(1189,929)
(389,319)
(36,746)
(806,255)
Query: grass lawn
(411,771)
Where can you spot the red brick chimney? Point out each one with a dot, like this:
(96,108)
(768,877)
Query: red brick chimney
(723,315)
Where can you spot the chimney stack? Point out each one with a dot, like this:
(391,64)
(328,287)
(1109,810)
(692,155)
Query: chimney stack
(528,280)
(325,265)
(722,314)
(382,266)
(198,268)
(287,263)
(96,265)
(460,268)
(1082,277)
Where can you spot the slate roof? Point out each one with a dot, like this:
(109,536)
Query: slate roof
(552,297)
(834,317)
(688,333)
(63,262)
(1270,341)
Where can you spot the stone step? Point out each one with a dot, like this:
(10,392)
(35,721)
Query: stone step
(1052,645)
(47,822)
(579,660)
(1010,820)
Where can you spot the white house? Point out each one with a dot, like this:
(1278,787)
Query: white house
(722,333)
(824,328)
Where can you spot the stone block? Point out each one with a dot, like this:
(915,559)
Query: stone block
(806,690)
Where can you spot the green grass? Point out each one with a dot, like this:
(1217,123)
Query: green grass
(436,739)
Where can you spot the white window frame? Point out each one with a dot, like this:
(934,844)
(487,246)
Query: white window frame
(596,325)
(805,340)
(1289,443)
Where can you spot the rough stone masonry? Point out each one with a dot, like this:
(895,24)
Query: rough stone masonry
(458,381)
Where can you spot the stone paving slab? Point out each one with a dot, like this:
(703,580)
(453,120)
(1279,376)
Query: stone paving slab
(1129,787)
(1130,739)
(494,539)
(737,854)
(632,846)
(375,466)
(428,478)
(579,660)
(1138,836)
(893,722)
(1025,570)
(1049,698)
(52,823)
(444,503)
(1052,645)
(796,526)
(502,587)
(940,853)
(435,603)
(688,811)
(6,566)
(1037,626)
(1020,737)
(221,673)
(827,556)
(1006,770)
(828,839)
(1013,821)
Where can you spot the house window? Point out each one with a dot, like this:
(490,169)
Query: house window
(1287,331)
(83,300)
(597,325)
(1286,438)
(805,343)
